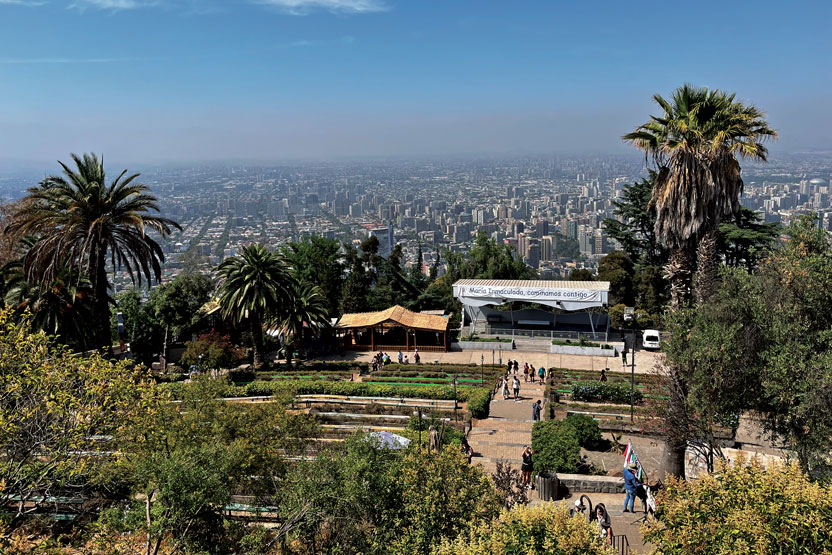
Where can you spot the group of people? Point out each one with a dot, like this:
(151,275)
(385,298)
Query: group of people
(530,374)
(380,359)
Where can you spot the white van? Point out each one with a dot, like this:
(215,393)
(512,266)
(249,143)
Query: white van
(651,339)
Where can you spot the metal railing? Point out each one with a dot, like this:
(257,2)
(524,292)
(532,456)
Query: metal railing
(539,334)
(621,544)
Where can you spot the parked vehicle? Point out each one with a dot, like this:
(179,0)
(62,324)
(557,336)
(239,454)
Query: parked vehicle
(651,339)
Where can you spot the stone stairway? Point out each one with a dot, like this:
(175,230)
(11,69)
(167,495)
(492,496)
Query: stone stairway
(501,436)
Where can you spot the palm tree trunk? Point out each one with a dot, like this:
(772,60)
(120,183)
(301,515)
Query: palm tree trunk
(101,304)
(707,267)
(678,272)
(257,339)
(676,426)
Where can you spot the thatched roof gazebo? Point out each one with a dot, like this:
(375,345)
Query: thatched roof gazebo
(394,329)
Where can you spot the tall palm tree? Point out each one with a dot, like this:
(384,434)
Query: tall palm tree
(308,306)
(82,221)
(257,286)
(694,145)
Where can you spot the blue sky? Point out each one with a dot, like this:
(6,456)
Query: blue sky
(155,80)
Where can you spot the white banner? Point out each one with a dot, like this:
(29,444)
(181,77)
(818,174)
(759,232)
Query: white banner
(500,294)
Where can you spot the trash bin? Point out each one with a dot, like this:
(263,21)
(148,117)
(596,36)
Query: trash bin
(547,486)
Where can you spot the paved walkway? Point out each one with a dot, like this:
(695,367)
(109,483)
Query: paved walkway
(502,436)
(645,360)
(508,428)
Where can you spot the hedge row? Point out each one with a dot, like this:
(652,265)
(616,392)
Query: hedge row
(604,391)
(478,398)
(324,365)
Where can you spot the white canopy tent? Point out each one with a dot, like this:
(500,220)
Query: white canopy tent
(564,295)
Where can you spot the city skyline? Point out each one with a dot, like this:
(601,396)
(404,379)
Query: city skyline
(175,80)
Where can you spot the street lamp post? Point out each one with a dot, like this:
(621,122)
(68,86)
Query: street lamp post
(631,316)
(453,381)
(482,366)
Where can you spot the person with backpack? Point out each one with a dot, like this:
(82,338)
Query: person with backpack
(516,388)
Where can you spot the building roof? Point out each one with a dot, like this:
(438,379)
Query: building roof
(537,283)
(395,314)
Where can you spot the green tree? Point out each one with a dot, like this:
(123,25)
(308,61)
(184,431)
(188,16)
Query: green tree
(546,528)
(307,307)
(61,307)
(357,284)
(81,220)
(142,328)
(257,286)
(581,274)
(651,289)
(617,268)
(176,304)
(635,225)
(743,509)
(187,461)
(746,239)
(319,261)
(694,144)
(55,408)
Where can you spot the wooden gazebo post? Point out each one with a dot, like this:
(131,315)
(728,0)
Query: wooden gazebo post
(373,339)
(406,338)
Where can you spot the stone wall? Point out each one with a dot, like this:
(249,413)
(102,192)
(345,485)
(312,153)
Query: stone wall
(581,483)
(587,351)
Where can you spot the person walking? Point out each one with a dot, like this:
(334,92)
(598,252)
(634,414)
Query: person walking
(510,365)
(532,372)
(541,372)
(516,366)
(401,357)
(630,486)
(603,518)
(525,371)
(516,388)
(466,450)
(505,388)
(416,357)
(527,466)
(603,374)
(536,411)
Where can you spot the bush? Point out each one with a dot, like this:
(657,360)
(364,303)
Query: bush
(544,528)
(212,350)
(556,447)
(479,402)
(604,391)
(586,429)
(743,509)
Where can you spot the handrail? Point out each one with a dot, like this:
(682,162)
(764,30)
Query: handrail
(621,544)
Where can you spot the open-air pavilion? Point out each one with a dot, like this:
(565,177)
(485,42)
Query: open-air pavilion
(575,304)
(394,329)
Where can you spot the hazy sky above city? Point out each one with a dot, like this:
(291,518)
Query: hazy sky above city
(166,80)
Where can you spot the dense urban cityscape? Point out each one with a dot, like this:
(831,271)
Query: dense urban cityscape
(548,209)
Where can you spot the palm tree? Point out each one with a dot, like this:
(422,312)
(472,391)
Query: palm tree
(82,221)
(694,145)
(257,286)
(308,306)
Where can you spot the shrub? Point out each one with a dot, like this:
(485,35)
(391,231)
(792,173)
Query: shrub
(479,402)
(586,429)
(604,391)
(556,447)
(743,509)
(544,528)
(212,350)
